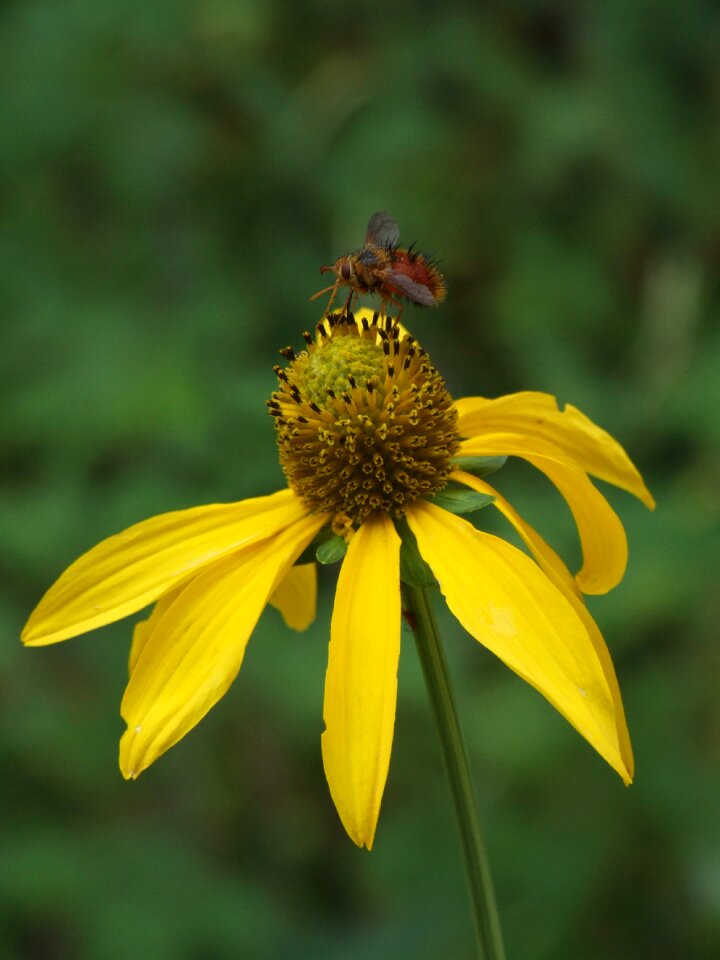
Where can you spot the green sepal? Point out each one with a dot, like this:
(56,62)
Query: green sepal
(458,499)
(309,554)
(479,466)
(331,550)
(413,569)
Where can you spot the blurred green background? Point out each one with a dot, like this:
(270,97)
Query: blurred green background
(173,174)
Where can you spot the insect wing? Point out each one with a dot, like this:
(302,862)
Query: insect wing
(382,230)
(416,292)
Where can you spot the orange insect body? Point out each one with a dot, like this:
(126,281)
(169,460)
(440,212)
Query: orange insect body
(421,271)
(382,267)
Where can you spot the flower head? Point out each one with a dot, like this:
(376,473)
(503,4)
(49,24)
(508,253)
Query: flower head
(379,462)
(364,422)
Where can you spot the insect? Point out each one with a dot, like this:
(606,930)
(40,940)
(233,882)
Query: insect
(381,266)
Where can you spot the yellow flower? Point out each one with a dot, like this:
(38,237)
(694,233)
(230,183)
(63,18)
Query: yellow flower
(374,450)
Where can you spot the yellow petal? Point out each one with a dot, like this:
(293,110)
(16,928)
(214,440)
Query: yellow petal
(540,549)
(196,649)
(537,415)
(295,596)
(361,681)
(556,570)
(602,535)
(144,628)
(141,632)
(508,604)
(130,570)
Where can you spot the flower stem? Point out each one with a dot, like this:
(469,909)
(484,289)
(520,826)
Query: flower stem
(437,679)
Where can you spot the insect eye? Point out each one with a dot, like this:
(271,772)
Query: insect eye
(346,271)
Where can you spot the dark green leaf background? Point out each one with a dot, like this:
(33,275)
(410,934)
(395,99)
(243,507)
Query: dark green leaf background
(173,174)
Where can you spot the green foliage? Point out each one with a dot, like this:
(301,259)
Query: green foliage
(331,550)
(413,569)
(173,176)
(479,466)
(461,500)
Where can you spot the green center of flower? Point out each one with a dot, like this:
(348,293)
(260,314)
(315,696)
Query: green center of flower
(329,371)
(364,421)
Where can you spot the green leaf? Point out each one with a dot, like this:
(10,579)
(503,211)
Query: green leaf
(413,569)
(331,550)
(479,466)
(309,554)
(459,499)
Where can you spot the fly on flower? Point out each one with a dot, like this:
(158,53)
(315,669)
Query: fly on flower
(381,266)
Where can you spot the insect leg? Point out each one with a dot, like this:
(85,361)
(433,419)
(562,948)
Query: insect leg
(348,302)
(397,303)
(333,293)
(332,298)
(332,287)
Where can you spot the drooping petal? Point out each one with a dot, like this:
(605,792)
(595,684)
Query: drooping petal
(544,554)
(602,535)
(556,570)
(538,415)
(510,606)
(141,631)
(128,571)
(196,649)
(296,595)
(361,680)
(144,628)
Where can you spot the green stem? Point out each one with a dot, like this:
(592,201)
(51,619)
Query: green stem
(437,678)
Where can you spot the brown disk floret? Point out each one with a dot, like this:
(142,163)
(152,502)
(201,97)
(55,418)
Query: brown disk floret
(364,421)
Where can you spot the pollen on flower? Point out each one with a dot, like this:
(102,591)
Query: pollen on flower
(364,421)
